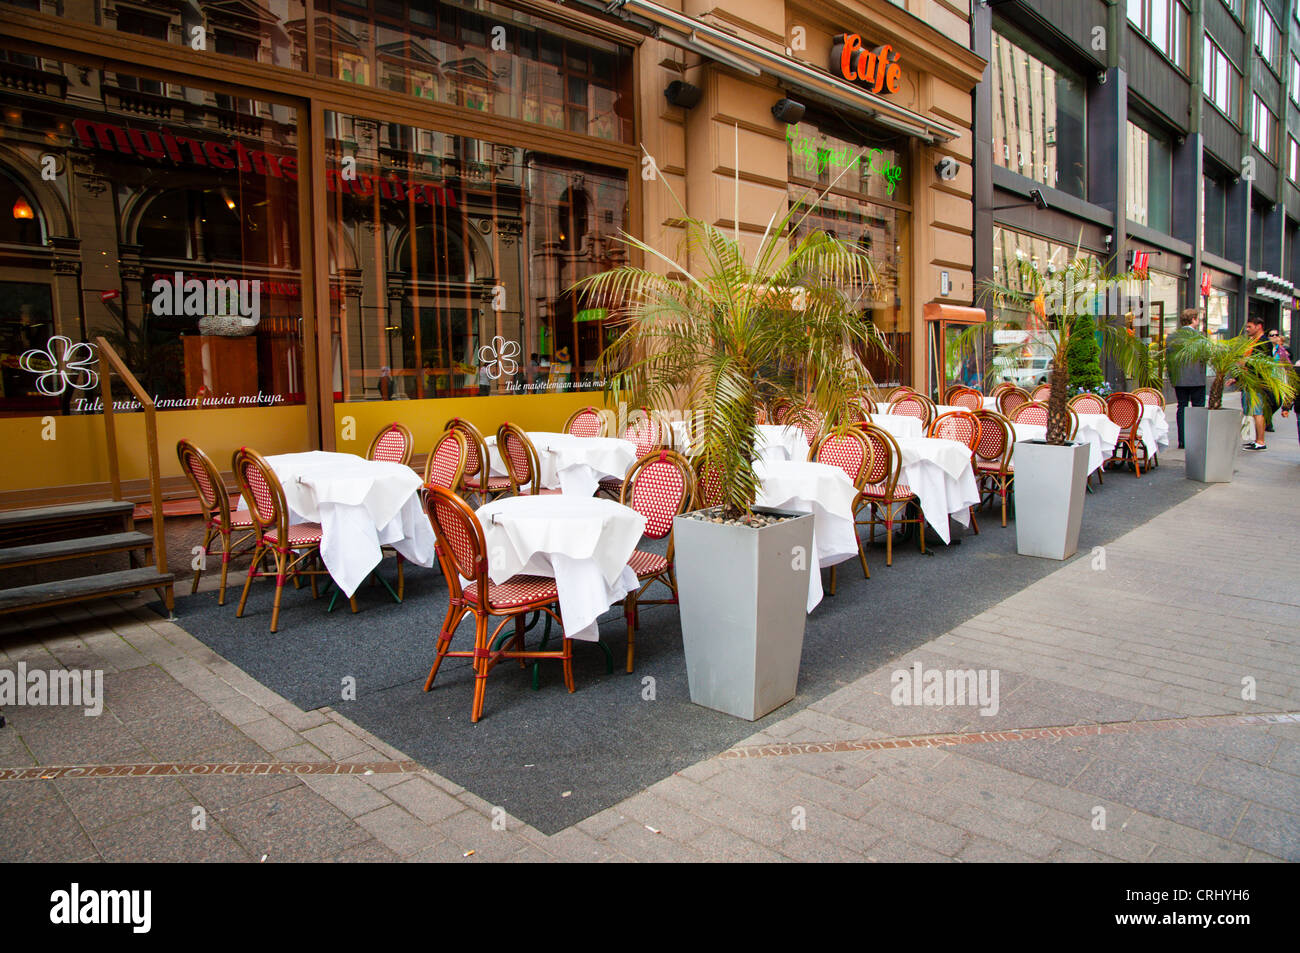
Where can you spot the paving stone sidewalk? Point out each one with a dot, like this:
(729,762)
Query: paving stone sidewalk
(1175,619)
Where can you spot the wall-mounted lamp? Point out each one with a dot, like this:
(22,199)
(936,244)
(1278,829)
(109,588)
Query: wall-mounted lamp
(788,111)
(22,210)
(1109,240)
(684,94)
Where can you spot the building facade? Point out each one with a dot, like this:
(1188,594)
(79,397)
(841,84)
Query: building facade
(1158,132)
(298,220)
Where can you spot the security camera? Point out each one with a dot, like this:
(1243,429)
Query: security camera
(788,111)
(1040,203)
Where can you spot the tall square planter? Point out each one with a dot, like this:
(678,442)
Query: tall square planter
(743,597)
(1049,487)
(1213,438)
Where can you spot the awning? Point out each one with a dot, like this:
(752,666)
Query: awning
(700,37)
(953,313)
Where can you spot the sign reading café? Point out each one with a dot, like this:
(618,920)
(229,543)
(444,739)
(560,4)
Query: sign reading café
(875,70)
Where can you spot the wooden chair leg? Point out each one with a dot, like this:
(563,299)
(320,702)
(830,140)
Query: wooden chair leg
(281,558)
(862,557)
(832,580)
(225,565)
(568,664)
(207,539)
(480,666)
(629,616)
(401,577)
(258,556)
(444,642)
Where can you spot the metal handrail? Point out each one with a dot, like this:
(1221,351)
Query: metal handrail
(110,361)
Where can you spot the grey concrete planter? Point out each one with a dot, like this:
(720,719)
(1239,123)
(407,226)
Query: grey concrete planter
(1049,487)
(743,606)
(1213,437)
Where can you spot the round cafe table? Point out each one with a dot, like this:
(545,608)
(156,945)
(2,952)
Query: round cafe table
(900,425)
(824,491)
(776,441)
(939,472)
(360,505)
(573,465)
(583,543)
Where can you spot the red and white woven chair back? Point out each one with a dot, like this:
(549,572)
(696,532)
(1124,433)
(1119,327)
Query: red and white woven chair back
(909,405)
(1010,399)
(644,431)
(474,443)
(447,460)
(393,445)
(514,447)
(261,490)
(709,486)
(993,438)
(849,451)
(959,425)
(586,423)
(460,536)
(661,489)
(1150,396)
(202,475)
(1125,410)
(1034,412)
(882,470)
(1041,392)
(1088,404)
(967,399)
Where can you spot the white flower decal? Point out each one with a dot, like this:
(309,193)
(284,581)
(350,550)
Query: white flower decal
(61,365)
(498,358)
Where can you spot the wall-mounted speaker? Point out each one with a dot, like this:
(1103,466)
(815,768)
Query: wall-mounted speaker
(682,93)
(788,111)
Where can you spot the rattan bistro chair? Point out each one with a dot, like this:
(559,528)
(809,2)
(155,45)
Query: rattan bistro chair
(445,466)
(647,432)
(883,491)
(659,486)
(1010,398)
(586,422)
(1033,412)
(220,520)
(1150,395)
(910,404)
(478,480)
(964,427)
(393,444)
(1041,392)
(289,546)
(521,461)
(1088,404)
(967,398)
(1126,411)
(462,553)
(994,471)
(851,451)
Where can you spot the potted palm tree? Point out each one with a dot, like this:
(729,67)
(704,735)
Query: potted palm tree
(1213,432)
(718,333)
(1053,307)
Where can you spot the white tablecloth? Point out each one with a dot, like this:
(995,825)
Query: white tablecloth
(360,504)
(827,493)
(1154,428)
(583,543)
(776,441)
(990,403)
(1098,431)
(897,424)
(574,465)
(939,473)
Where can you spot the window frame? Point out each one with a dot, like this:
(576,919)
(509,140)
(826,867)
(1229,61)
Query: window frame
(1275,38)
(1176,29)
(1268,149)
(1209,87)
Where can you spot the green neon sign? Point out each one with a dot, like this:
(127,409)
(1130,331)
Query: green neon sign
(834,161)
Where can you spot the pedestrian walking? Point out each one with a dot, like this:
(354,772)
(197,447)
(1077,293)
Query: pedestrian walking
(1189,381)
(1253,405)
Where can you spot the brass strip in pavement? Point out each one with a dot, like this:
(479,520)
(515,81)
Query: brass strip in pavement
(1018,734)
(202,768)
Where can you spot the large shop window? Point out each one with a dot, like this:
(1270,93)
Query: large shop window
(155,219)
(1150,177)
(452,260)
(1038,115)
(482,56)
(863,171)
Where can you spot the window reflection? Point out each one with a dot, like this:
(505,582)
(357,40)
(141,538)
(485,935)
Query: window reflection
(451,260)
